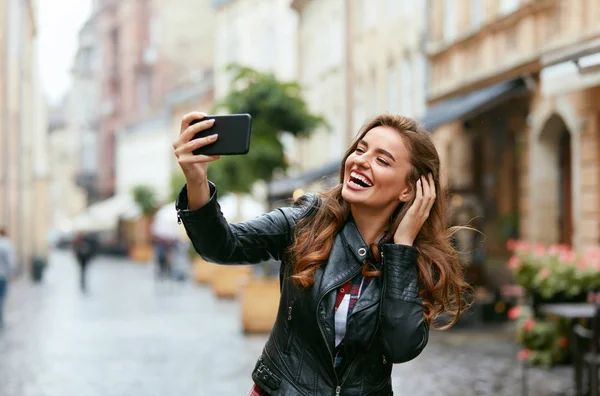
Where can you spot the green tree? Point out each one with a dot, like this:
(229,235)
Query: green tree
(145,197)
(276,107)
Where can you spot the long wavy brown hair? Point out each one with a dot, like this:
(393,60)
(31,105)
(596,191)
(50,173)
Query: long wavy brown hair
(441,276)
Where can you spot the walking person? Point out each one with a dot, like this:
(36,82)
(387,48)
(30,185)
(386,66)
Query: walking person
(366,267)
(84,248)
(162,250)
(6,266)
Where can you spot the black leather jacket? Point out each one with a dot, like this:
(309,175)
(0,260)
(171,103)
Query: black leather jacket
(385,327)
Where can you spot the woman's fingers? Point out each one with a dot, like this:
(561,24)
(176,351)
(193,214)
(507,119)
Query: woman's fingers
(192,130)
(188,118)
(197,159)
(429,194)
(190,146)
(418,202)
(425,196)
(188,131)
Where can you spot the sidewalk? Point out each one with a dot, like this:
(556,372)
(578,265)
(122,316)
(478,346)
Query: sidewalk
(132,336)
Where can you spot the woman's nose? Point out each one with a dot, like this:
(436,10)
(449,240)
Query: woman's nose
(362,161)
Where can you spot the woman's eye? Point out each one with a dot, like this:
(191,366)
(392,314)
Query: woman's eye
(382,161)
(359,150)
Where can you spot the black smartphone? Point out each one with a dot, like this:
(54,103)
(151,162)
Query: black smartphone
(233,131)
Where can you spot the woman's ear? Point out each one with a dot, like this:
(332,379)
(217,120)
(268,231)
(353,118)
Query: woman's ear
(405,195)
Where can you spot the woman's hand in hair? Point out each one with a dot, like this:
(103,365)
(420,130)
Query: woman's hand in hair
(194,167)
(411,224)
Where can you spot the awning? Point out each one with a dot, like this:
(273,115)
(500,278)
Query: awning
(287,185)
(472,104)
(105,215)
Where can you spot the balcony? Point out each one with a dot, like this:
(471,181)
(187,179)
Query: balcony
(508,46)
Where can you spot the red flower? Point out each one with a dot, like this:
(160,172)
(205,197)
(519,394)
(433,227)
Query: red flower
(511,244)
(523,354)
(514,262)
(529,324)
(563,342)
(514,313)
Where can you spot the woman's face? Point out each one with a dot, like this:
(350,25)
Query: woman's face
(375,173)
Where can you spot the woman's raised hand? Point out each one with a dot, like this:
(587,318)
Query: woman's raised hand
(194,167)
(418,212)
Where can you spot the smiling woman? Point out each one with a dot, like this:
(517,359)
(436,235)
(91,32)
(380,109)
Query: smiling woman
(366,266)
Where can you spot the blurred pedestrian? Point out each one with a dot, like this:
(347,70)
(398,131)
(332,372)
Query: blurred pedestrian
(84,247)
(6,266)
(162,252)
(366,266)
(180,260)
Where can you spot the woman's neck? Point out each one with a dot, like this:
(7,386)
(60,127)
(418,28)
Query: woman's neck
(371,223)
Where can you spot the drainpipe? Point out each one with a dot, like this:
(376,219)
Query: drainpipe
(21,200)
(349,71)
(4,116)
(424,40)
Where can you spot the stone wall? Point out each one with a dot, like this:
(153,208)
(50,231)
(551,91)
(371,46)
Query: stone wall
(579,113)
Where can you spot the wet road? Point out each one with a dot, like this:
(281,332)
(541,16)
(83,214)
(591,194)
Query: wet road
(131,335)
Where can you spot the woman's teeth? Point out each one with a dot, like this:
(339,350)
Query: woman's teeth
(360,180)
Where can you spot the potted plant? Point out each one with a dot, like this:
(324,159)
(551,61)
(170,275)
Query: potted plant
(145,197)
(544,341)
(554,273)
(276,108)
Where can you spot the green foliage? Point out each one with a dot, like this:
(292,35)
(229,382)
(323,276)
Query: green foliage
(145,198)
(554,270)
(545,340)
(275,107)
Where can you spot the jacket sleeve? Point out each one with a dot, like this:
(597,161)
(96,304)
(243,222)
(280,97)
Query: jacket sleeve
(403,327)
(263,238)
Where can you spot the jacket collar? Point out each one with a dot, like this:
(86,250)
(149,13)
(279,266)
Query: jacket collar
(346,258)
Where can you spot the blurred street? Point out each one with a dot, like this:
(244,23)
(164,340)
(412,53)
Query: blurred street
(131,335)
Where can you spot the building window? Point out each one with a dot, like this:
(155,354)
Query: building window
(476,13)
(407,86)
(409,8)
(370,13)
(144,90)
(334,41)
(392,89)
(450,24)
(419,65)
(392,9)
(508,6)
(359,108)
(373,103)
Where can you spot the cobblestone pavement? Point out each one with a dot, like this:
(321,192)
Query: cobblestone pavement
(133,336)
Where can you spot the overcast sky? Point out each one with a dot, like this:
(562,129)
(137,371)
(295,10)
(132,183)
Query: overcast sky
(59,23)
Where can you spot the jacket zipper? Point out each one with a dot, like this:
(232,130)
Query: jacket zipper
(289,319)
(178,218)
(338,388)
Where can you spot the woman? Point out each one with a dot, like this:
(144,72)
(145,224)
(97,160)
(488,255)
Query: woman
(365,269)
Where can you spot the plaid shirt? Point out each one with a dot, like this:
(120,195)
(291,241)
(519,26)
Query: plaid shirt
(354,287)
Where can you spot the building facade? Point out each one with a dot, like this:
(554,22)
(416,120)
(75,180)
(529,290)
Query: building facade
(355,59)
(260,34)
(147,48)
(388,66)
(23,144)
(323,67)
(512,97)
(82,108)
(67,199)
